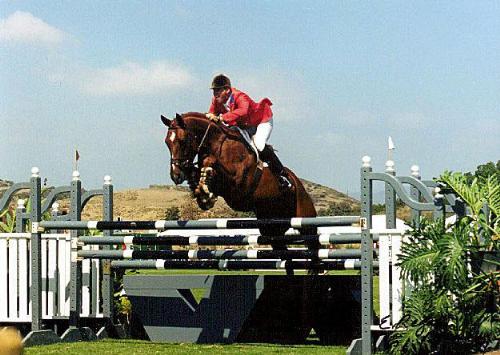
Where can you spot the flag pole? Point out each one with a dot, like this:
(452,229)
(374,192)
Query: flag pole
(390,149)
(75,161)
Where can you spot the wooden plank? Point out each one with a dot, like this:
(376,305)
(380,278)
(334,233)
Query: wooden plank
(397,284)
(24,272)
(384,280)
(85,287)
(52,276)
(44,252)
(4,296)
(13,290)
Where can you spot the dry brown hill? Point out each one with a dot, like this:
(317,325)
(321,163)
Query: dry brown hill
(160,201)
(324,196)
(152,203)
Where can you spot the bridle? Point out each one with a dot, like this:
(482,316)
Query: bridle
(182,163)
(185,163)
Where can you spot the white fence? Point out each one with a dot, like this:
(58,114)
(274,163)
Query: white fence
(15,279)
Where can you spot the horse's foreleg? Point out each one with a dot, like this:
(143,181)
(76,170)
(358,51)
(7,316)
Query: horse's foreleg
(204,197)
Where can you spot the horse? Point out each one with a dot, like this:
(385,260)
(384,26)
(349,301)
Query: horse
(227,167)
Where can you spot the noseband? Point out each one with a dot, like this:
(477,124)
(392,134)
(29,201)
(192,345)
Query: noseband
(186,163)
(182,163)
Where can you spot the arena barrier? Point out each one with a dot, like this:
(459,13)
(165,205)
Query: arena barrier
(89,277)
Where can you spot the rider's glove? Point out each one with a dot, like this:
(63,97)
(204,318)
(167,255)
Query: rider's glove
(213,117)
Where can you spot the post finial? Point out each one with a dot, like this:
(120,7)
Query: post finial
(389,166)
(35,172)
(437,193)
(366,161)
(76,175)
(20,203)
(107,180)
(415,171)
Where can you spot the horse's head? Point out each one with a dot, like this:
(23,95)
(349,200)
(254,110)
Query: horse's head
(183,148)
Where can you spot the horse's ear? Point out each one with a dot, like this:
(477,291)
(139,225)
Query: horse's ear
(179,120)
(166,121)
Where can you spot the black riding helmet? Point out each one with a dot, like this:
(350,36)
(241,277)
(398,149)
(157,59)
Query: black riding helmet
(220,81)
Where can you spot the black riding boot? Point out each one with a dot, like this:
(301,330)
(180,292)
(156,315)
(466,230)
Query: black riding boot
(275,166)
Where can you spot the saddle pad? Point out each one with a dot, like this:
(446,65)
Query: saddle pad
(248,140)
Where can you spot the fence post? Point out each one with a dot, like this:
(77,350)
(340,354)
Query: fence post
(366,258)
(107,275)
(74,332)
(38,334)
(36,252)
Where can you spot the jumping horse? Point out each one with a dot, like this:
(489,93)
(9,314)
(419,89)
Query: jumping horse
(227,167)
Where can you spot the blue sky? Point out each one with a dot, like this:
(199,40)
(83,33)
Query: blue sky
(343,76)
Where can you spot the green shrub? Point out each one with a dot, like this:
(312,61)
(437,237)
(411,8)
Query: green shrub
(453,305)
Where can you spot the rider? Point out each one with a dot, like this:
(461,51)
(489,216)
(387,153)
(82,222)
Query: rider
(236,108)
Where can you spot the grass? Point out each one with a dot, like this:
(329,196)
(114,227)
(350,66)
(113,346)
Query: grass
(132,347)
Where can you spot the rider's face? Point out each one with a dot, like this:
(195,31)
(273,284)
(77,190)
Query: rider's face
(222,94)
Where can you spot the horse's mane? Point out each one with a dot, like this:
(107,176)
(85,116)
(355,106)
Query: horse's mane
(198,116)
(221,128)
(194,114)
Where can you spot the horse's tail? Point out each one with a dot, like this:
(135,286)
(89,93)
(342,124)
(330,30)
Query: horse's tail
(304,203)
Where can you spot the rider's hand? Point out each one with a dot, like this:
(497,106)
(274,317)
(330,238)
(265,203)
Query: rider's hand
(213,117)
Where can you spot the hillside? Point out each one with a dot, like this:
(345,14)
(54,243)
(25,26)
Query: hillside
(153,202)
(4,185)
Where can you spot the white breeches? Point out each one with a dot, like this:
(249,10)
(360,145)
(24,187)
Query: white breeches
(262,134)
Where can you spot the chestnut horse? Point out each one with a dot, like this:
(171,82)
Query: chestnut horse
(227,167)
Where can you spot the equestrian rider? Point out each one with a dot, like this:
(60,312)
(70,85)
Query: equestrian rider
(235,108)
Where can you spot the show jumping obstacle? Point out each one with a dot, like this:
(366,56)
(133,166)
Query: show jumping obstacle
(38,268)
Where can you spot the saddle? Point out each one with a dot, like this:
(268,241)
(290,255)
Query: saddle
(233,132)
(265,158)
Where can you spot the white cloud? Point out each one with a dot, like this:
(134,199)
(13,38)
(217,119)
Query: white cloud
(135,79)
(25,28)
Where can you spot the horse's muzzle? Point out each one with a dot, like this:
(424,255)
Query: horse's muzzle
(178,177)
(179,169)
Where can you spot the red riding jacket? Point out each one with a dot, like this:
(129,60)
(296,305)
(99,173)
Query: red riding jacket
(243,111)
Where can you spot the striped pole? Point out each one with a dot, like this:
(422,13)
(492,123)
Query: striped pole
(221,254)
(324,239)
(349,264)
(298,222)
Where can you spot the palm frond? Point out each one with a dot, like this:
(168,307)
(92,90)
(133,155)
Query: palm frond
(452,258)
(471,194)
(493,194)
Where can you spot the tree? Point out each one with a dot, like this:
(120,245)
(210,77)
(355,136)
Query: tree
(484,171)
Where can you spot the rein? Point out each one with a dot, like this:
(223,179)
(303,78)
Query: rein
(203,140)
(184,163)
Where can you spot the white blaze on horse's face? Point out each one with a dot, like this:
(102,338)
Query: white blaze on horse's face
(172,136)
(175,140)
